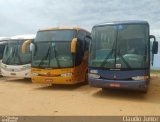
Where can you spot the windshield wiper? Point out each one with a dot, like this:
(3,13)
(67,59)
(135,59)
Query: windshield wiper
(46,56)
(16,55)
(55,53)
(120,55)
(108,56)
(106,59)
(10,56)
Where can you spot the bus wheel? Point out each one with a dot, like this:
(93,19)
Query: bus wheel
(145,91)
(86,78)
(104,89)
(27,79)
(5,78)
(148,82)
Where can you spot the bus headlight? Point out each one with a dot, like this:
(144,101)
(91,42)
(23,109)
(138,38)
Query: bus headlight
(140,78)
(66,75)
(90,75)
(26,67)
(3,66)
(34,74)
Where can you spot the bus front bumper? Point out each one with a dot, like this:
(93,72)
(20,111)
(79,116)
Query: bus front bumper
(140,85)
(19,74)
(53,80)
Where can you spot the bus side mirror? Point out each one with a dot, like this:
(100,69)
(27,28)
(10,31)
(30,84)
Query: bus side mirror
(24,46)
(32,47)
(87,41)
(89,37)
(155,45)
(73,45)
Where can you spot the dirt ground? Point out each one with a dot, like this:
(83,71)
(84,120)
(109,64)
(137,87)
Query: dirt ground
(21,97)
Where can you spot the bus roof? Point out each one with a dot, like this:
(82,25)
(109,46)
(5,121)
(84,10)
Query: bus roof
(123,22)
(62,28)
(4,38)
(29,36)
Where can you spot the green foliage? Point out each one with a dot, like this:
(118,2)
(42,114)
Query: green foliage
(155,71)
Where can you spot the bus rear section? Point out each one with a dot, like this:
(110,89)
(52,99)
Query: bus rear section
(60,56)
(14,63)
(3,41)
(120,55)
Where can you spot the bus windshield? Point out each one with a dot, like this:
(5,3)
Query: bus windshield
(13,55)
(2,47)
(120,46)
(52,49)
(55,35)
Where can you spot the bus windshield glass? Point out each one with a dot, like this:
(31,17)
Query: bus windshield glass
(55,35)
(2,47)
(120,46)
(13,54)
(53,49)
(52,55)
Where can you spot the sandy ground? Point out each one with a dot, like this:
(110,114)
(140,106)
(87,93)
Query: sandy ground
(21,97)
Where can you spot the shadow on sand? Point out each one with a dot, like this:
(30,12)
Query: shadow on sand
(61,87)
(152,96)
(25,81)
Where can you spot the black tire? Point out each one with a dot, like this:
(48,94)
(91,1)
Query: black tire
(145,91)
(104,89)
(27,79)
(86,77)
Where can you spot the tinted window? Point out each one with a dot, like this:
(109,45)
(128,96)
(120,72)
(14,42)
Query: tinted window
(80,47)
(13,54)
(52,55)
(2,46)
(120,46)
(55,35)
(81,35)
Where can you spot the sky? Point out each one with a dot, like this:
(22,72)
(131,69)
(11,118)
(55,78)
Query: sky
(27,16)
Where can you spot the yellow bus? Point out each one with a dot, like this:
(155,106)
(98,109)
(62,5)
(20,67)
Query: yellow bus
(59,55)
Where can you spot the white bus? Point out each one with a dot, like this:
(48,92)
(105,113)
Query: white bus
(14,63)
(3,41)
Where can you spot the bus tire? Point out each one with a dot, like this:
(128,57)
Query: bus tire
(104,89)
(86,77)
(27,79)
(145,91)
